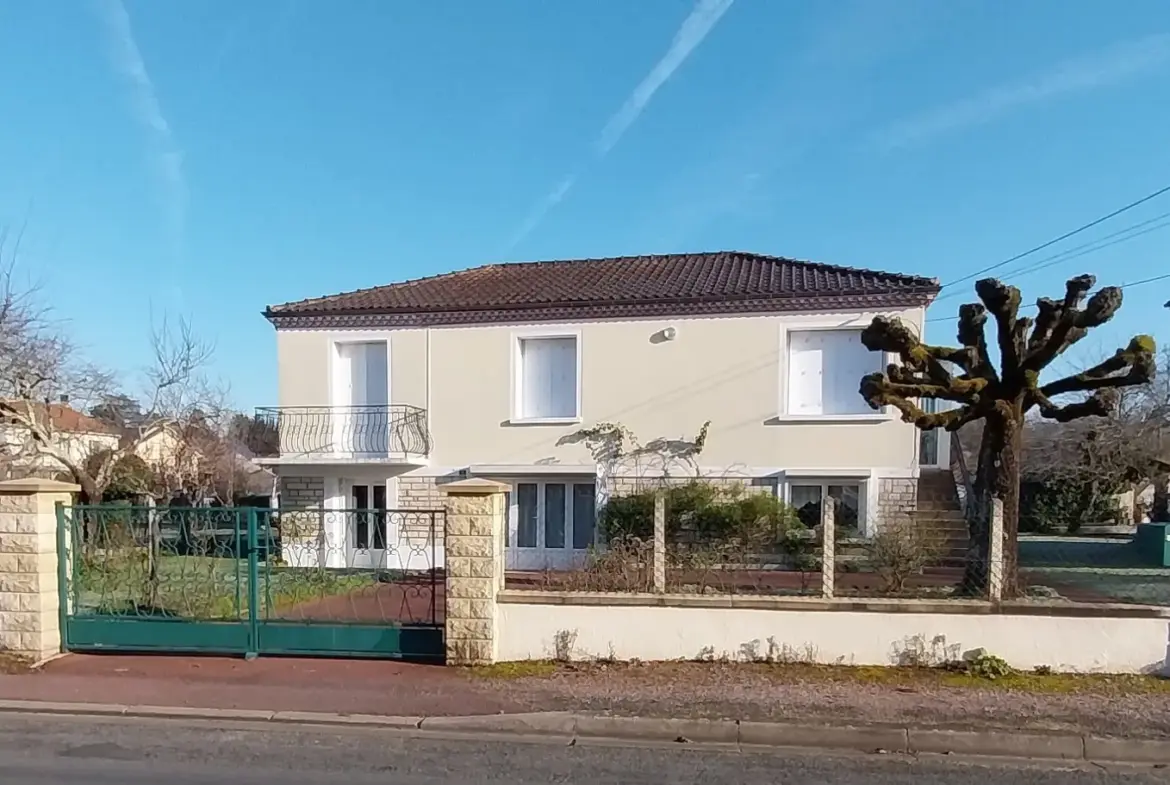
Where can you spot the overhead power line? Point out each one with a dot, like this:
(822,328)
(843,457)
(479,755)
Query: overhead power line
(1063,237)
(1130,285)
(1077,251)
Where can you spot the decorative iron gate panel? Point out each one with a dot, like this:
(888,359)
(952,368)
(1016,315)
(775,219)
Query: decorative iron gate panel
(359,583)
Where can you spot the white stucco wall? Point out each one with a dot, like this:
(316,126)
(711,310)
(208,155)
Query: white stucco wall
(1072,644)
(729,370)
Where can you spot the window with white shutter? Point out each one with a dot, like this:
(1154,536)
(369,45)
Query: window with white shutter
(547,378)
(824,372)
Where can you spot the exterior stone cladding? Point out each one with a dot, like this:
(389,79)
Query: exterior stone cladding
(897,500)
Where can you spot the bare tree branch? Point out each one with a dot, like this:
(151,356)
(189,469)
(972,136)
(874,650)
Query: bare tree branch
(43,375)
(1128,367)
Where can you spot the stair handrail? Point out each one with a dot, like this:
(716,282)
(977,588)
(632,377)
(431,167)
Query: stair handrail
(964,485)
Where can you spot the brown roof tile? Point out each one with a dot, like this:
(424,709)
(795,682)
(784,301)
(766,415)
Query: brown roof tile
(66,418)
(673,284)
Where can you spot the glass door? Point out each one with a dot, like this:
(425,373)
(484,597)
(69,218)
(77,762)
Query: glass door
(368,525)
(550,524)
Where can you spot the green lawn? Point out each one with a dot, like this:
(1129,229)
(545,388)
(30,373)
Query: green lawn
(117,581)
(1104,568)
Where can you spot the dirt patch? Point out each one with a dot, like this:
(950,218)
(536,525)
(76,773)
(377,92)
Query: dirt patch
(13,664)
(1137,706)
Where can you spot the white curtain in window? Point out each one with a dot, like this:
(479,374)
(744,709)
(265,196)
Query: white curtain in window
(846,361)
(824,372)
(548,377)
(805,371)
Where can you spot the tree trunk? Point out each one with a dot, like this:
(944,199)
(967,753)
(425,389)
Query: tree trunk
(1008,491)
(1160,510)
(90,494)
(997,477)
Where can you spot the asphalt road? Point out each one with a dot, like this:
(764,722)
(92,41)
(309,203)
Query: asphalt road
(101,751)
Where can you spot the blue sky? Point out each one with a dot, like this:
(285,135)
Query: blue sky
(207,158)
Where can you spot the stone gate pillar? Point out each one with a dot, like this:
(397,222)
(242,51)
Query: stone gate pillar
(29,607)
(474,547)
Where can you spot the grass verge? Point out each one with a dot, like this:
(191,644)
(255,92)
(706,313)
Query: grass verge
(895,678)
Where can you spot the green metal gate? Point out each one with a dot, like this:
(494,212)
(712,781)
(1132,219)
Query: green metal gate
(249,581)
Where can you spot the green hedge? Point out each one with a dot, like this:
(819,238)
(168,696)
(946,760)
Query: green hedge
(701,513)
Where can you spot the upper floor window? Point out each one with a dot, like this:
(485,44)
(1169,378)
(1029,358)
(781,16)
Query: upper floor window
(824,372)
(547,383)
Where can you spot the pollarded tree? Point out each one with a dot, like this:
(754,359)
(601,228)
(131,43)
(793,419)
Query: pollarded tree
(1002,396)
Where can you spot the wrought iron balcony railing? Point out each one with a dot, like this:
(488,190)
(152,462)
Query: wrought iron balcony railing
(360,432)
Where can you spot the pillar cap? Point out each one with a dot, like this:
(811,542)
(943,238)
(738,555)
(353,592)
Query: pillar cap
(475,485)
(37,485)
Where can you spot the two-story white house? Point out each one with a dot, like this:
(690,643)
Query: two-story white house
(387,393)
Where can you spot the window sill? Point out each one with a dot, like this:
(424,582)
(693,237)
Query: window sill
(544,421)
(829,419)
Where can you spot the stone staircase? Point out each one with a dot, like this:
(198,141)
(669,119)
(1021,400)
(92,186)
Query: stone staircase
(939,511)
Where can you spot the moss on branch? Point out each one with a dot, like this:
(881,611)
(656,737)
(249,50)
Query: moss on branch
(1101,404)
(1133,365)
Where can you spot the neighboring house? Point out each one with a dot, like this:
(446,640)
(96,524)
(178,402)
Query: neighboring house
(77,435)
(192,457)
(387,393)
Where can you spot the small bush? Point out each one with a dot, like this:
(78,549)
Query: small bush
(699,513)
(989,666)
(900,550)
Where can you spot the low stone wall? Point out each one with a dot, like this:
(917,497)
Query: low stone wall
(546,625)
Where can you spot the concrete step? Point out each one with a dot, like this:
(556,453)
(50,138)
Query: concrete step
(942,516)
(938,505)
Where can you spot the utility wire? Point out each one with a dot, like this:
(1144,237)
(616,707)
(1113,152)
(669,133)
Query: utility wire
(1065,236)
(1130,285)
(1084,249)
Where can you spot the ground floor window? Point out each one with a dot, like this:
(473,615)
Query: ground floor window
(552,515)
(807,495)
(368,530)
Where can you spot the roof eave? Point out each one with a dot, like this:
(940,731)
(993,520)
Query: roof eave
(907,297)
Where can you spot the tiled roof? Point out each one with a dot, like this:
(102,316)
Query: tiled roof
(65,418)
(724,282)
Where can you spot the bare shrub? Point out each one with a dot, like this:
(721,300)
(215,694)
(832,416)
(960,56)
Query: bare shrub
(625,565)
(900,550)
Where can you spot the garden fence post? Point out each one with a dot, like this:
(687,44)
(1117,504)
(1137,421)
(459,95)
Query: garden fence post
(995,552)
(253,585)
(828,547)
(64,572)
(659,543)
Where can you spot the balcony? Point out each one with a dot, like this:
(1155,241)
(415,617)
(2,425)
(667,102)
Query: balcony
(386,434)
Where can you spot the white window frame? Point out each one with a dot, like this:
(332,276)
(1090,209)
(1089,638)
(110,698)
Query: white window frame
(824,481)
(333,346)
(881,360)
(517,377)
(540,556)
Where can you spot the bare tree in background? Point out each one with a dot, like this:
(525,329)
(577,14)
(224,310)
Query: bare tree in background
(40,365)
(1085,464)
(1002,397)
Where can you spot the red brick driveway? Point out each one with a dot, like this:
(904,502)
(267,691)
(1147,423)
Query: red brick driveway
(269,684)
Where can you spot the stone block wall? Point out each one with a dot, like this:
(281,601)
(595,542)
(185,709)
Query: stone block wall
(897,500)
(474,569)
(302,520)
(423,494)
(420,493)
(626,485)
(29,597)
